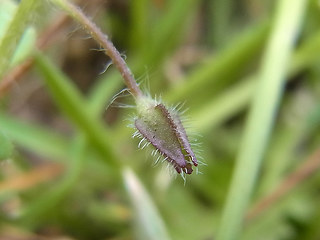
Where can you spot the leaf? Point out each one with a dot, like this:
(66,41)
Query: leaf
(6,147)
(7,11)
(13,34)
(148,219)
(70,101)
(259,125)
(35,138)
(221,68)
(25,46)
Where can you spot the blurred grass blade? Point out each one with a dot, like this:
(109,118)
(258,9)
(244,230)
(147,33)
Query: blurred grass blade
(148,219)
(34,138)
(224,106)
(18,24)
(307,53)
(102,92)
(261,116)
(35,211)
(280,156)
(221,69)
(139,23)
(69,99)
(6,147)
(25,46)
(167,30)
(7,11)
(221,12)
(236,98)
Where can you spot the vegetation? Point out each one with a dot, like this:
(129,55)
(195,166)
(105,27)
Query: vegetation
(246,71)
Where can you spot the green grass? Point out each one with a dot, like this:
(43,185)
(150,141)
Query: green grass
(251,88)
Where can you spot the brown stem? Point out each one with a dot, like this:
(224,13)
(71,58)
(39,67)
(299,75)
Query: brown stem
(44,40)
(305,170)
(32,178)
(108,46)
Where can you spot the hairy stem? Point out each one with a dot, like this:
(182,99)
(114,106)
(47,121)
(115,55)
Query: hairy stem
(104,41)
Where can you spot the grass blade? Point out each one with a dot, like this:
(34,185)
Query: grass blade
(6,147)
(148,219)
(7,11)
(71,102)
(14,32)
(261,116)
(35,138)
(235,99)
(218,70)
(34,212)
(102,92)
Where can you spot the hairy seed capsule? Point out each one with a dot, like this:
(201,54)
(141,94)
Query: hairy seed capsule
(163,129)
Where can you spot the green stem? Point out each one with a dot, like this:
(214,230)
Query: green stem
(261,116)
(104,41)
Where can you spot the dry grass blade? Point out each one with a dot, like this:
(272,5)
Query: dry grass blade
(32,178)
(46,38)
(309,167)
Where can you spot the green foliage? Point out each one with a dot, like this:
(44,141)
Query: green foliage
(264,106)
(6,147)
(107,188)
(13,26)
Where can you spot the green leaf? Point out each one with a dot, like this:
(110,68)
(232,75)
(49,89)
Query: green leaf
(35,211)
(148,219)
(166,31)
(25,47)
(35,138)
(139,23)
(7,11)
(261,116)
(6,147)
(70,101)
(102,93)
(219,70)
(13,34)
(236,98)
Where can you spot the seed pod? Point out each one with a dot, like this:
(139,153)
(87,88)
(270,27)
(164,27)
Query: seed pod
(163,128)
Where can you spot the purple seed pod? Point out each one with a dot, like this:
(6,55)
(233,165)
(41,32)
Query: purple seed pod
(163,128)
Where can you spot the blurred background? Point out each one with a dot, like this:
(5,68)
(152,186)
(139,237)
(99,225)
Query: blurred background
(69,167)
